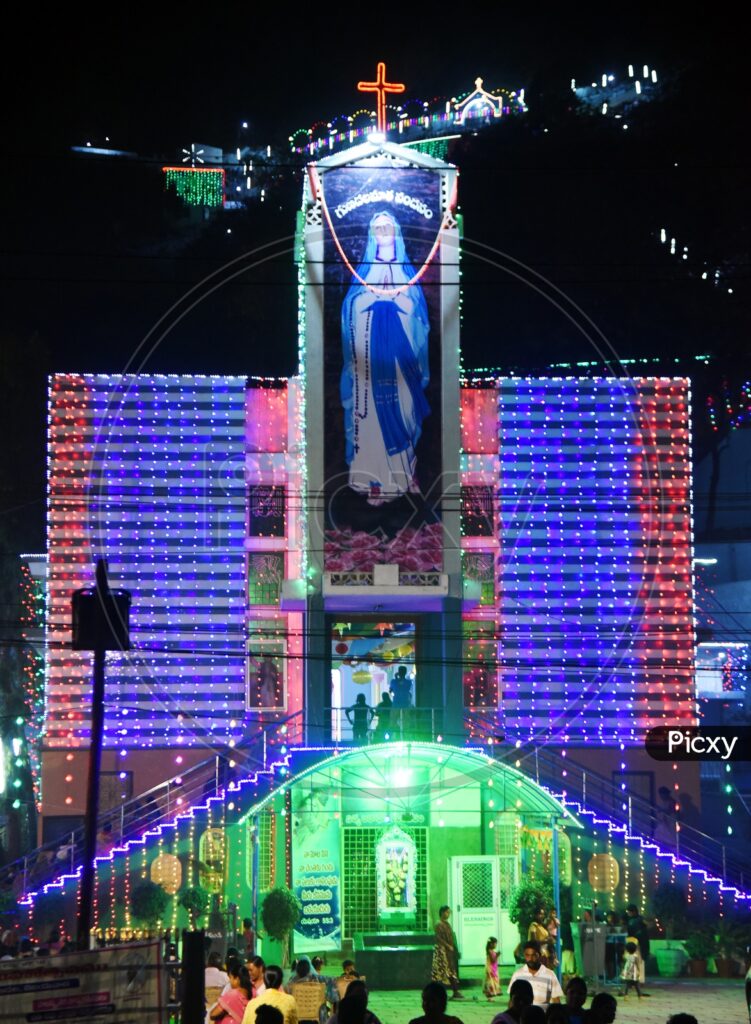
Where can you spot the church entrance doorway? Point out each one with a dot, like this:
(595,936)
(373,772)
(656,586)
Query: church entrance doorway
(480,888)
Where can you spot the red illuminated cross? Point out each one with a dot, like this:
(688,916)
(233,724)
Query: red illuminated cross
(381,86)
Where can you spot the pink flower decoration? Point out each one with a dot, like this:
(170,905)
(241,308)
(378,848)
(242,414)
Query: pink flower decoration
(427,561)
(363,560)
(339,563)
(362,540)
(410,563)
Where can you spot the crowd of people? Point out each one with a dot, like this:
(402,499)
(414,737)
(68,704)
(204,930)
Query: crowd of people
(245,990)
(242,989)
(391,711)
(14,946)
(254,993)
(535,993)
(625,953)
(531,1003)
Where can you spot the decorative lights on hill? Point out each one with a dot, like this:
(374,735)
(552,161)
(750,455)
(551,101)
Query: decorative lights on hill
(615,96)
(422,119)
(196,186)
(718,274)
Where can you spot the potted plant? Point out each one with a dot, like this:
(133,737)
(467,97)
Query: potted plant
(699,946)
(196,901)
(280,912)
(669,907)
(148,903)
(730,944)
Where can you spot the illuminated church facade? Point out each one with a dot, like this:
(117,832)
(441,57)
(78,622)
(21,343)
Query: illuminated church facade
(498,567)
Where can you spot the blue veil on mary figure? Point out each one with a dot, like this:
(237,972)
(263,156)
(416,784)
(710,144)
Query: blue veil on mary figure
(385,370)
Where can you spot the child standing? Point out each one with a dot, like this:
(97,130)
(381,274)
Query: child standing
(491,986)
(249,937)
(632,972)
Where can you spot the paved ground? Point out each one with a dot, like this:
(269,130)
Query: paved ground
(711,1001)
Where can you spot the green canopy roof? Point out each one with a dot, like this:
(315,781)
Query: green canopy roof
(402,775)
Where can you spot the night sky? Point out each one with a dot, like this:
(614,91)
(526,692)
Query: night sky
(94,253)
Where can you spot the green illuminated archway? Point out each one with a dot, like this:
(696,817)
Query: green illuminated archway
(401,776)
(324,830)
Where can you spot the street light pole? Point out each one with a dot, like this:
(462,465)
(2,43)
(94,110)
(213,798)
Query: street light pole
(556,891)
(92,800)
(101,623)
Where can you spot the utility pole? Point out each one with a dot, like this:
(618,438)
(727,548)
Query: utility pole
(101,623)
(556,891)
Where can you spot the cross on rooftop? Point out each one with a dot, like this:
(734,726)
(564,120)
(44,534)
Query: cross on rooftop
(381,86)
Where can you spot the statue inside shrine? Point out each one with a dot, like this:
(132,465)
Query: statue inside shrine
(396,860)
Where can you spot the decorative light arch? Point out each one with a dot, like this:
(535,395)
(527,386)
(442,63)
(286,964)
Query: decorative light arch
(388,764)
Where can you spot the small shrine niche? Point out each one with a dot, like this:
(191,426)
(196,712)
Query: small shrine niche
(396,864)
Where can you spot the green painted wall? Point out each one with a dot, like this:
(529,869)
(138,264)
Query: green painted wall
(444,843)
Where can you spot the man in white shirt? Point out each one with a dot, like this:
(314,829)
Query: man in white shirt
(545,985)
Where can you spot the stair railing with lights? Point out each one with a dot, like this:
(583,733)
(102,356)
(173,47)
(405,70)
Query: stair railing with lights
(154,807)
(585,789)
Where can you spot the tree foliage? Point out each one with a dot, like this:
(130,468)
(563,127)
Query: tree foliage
(148,902)
(527,899)
(700,943)
(280,912)
(732,937)
(196,901)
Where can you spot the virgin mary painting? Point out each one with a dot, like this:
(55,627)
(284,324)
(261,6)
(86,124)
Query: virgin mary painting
(385,367)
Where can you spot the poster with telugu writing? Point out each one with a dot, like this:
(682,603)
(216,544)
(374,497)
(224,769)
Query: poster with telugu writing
(316,868)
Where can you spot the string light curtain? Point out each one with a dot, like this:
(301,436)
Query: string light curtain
(149,473)
(196,186)
(595,567)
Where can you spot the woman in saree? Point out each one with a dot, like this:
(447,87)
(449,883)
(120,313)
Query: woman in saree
(445,954)
(230,1006)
